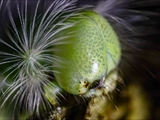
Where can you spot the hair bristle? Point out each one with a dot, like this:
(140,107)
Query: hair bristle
(27,58)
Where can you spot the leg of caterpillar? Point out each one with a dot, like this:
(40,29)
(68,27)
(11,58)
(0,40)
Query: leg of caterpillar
(100,99)
(132,104)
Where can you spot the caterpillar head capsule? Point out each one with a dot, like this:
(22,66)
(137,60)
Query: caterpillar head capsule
(91,51)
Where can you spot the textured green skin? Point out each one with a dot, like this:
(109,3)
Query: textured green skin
(91,53)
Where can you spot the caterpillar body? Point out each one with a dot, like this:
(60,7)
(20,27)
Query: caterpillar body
(51,49)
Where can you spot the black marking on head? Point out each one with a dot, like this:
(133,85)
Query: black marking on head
(95,84)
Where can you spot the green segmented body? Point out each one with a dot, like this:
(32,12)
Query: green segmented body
(92,51)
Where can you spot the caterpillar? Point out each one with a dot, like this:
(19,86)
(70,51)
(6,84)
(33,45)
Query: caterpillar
(53,49)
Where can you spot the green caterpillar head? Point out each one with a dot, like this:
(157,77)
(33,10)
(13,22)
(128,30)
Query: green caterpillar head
(90,53)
